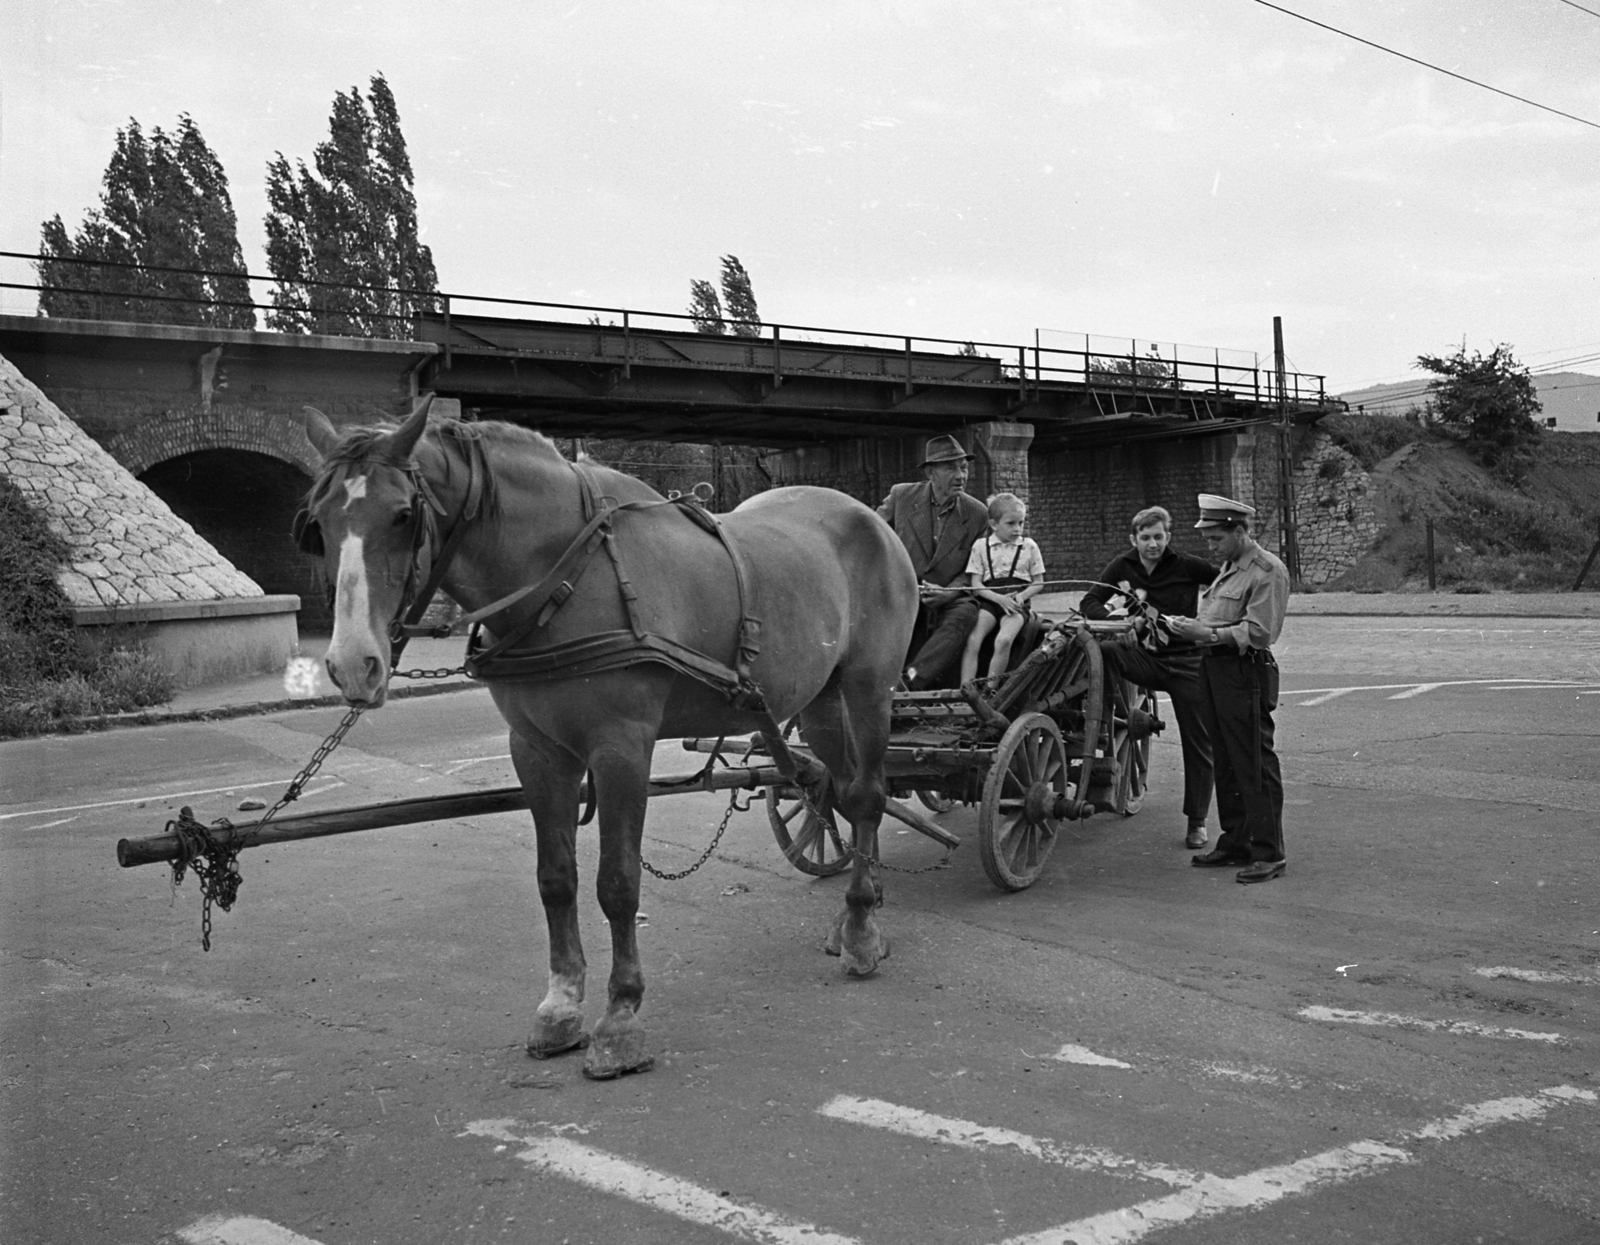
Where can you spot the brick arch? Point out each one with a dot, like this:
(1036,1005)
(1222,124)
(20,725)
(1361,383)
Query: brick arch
(170,434)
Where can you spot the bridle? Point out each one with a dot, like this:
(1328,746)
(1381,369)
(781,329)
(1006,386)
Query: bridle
(426,513)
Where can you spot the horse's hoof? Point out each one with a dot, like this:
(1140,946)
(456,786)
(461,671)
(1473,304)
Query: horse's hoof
(556,1036)
(863,960)
(617,1054)
(833,944)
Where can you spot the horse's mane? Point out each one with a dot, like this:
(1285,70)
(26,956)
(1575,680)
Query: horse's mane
(457,439)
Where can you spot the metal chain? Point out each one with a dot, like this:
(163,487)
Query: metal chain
(442,672)
(216,865)
(733,807)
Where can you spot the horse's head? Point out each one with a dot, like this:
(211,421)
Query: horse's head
(367,516)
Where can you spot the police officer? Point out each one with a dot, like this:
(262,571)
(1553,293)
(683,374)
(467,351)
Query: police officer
(1239,617)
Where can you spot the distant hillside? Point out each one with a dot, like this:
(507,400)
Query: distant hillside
(1572,399)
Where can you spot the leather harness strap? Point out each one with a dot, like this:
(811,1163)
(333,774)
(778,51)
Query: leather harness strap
(511,657)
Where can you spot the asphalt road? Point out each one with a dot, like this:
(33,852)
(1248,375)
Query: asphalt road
(1395,1042)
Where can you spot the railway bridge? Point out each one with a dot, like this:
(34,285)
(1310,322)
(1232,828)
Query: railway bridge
(210,417)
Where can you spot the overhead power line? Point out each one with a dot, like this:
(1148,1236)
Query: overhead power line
(1580,8)
(1521,99)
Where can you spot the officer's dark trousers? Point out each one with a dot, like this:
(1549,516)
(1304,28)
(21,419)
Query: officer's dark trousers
(950,627)
(1241,693)
(1177,674)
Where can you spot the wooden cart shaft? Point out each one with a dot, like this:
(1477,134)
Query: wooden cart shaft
(286,829)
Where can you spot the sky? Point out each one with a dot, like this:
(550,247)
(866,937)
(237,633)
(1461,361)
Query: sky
(1167,170)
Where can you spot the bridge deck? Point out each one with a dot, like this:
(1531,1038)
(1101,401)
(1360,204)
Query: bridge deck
(786,387)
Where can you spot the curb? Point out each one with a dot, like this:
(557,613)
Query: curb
(161,717)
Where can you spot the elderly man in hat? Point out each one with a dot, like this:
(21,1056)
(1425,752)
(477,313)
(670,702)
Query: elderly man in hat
(1238,619)
(938,523)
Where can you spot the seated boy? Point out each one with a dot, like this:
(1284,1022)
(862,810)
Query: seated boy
(1006,570)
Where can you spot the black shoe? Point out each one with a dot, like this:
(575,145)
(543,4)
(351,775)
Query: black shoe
(1262,871)
(1216,858)
(1196,838)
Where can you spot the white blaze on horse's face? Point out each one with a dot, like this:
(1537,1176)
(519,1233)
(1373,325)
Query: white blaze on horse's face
(369,534)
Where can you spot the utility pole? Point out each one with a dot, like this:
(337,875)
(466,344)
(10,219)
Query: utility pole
(1288,546)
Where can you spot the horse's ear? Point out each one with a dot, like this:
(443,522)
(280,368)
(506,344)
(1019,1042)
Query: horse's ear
(404,438)
(320,432)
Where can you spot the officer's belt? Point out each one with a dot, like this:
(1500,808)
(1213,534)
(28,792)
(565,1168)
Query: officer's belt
(1228,650)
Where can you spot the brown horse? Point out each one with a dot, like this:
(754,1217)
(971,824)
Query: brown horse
(830,584)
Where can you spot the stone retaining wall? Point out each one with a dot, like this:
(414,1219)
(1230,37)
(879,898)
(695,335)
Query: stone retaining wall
(127,547)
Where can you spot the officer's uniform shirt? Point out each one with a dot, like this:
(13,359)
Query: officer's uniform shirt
(1247,601)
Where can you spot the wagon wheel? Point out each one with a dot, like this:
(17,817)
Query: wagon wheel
(1029,772)
(1132,708)
(810,843)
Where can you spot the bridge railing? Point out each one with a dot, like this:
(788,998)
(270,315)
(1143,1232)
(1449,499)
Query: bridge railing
(98,289)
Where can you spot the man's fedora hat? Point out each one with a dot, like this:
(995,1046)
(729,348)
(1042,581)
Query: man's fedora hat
(1222,512)
(943,450)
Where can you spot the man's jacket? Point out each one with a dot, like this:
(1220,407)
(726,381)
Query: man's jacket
(909,510)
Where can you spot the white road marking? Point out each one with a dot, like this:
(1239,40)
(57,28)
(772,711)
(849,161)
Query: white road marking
(240,1230)
(1082,1054)
(328,784)
(909,1122)
(1493,684)
(1261,1076)
(1324,698)
(1540,975)
(1418,690)
(1468,1028)
(1216,1195)
(457,766)
(606,1173)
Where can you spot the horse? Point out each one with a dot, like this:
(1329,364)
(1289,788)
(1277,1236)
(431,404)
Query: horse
(805,591)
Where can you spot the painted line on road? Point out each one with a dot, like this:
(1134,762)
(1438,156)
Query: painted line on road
(1082,1054)
(1254,1075)
(1530,684)
(1418,690)
(966,1135)
(328,784)
(607,1173)
(1324,698)
(1216,1195)
(240,1230)
(1540,975)
(456,767)
(1465,1028)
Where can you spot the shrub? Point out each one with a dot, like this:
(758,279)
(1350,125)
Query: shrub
(50,671)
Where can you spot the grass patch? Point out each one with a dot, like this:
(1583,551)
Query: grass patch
(52,673)
(1371,438)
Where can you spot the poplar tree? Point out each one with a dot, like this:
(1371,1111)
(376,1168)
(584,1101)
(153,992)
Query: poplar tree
(739,298)
(705,309)
(164,204)
(351,223)
(738,301)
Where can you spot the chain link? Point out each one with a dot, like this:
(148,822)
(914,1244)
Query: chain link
(733,807)
(216,864)
(442,672)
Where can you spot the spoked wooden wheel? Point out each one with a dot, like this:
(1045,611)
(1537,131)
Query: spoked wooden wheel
(1029,772)
(1133,709)
(810,843)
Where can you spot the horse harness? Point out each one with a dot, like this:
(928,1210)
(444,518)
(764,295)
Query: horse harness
(512,656)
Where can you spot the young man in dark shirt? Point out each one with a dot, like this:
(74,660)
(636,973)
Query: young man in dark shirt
(1170,581)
